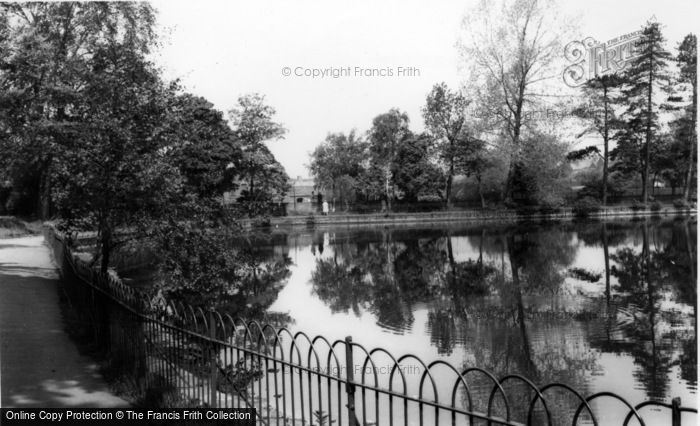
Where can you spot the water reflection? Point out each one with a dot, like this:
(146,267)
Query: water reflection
(599,306)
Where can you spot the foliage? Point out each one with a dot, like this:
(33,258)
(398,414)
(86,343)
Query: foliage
(112,174)
(207,262)
(44,69)
(583,153)
(201,145)
(389,131)
(417,177)
(638,205)
(645,75)
(265,179)
(584,275)
(686,126)
(445,117)
(337,163)
(544,171)
(680,204)
(585,206)
(510,47)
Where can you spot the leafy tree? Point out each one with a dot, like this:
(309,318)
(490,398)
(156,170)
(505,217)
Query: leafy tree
(207,261)
(201,145)
(336,164)
(472,159)
(645,75)
(445,116)
(113,177)
(509,47)
(45,54)
(544,170)
(416,175)
(253,124)
(389,131)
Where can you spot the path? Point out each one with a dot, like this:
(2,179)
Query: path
(39,364)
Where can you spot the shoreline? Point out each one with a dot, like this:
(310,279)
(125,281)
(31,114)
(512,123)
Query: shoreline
(458,216)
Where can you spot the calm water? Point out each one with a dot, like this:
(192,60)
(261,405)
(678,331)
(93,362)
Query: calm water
(568,302)
(598,306)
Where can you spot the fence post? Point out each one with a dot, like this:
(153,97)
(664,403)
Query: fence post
(350,382)
(214,371)
(676,412)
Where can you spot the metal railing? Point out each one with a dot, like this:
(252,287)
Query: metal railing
(170,354)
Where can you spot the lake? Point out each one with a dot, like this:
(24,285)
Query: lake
(600,306)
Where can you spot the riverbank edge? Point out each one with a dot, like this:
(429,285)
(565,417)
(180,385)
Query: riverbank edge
(471,216)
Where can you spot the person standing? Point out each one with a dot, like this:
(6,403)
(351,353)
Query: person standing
(325,208)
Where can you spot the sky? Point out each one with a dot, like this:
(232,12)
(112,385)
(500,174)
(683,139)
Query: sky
(385,54)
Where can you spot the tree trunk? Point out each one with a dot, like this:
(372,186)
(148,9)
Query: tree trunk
(605,144)
(647,151)
(387,182)
(45,193)
(448,185)
(692,142)
(481,192)
(105,248)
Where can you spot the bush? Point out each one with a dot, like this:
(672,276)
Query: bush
(655,206)
(585,206)
(547,208)
(680,204)
(638,205)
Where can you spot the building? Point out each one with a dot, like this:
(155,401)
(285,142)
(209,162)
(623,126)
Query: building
(302,197)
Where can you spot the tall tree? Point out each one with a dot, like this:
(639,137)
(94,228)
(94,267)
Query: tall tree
(254,125)
(388,132)
(687,127)
(473,160)
(43,68)
(600,93)
(510,46)
(201,145)
(112,176)
(337,163)
(445,115)
(416,175)
(645,76)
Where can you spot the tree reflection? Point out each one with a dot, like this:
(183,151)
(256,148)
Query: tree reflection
(503,294)
(644,279)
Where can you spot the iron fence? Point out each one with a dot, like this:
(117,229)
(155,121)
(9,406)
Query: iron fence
(169,354)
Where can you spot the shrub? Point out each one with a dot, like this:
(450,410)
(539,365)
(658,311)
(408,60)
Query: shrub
(550,208)
(585,206)
(655,206)
(680,204)
(638,205)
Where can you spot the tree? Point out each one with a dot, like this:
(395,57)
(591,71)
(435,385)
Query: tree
(112,177)
(687,127)
(201,145)
(600,110)
(510,46)
(474,160)
(253,124)
(336,164)
(445,116)
(45,55)
(416,175)
(645,75)
(544,170)
(388,132)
